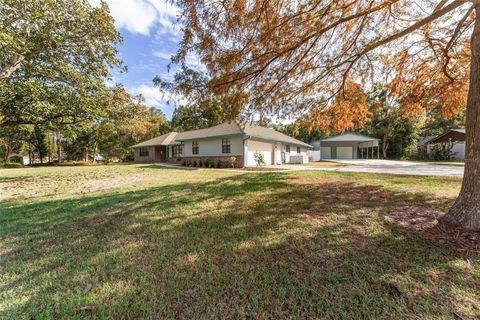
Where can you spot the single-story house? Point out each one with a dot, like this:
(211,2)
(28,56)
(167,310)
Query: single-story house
(221,142)
(423,146)
(457,136)
(345,146)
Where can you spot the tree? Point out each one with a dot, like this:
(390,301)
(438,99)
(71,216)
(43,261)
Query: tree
(54,58)
(299,56)
(399,132)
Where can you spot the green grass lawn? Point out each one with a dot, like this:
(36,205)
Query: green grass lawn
(137,241)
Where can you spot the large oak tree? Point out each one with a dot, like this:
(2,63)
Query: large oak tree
(304,57)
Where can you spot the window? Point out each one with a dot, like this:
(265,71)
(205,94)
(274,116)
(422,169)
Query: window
(287,148)
(177,151)
(143,152)
(226,145)
(298,149)
(195,148)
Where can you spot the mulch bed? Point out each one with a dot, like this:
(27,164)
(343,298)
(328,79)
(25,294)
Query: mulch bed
(425,221)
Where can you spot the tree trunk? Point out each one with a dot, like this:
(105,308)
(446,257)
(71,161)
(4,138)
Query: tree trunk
(59,150)
(466,210)
(384,146)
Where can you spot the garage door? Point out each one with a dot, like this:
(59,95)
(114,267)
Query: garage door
(344,152)
(263,147)
(326,153)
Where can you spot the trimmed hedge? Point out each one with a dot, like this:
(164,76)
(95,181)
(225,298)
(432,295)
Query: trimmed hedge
(210,163)
(10,165)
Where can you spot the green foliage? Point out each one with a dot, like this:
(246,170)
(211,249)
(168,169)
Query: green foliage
(10,165)
(16,159)
(259,158)
(442,151)
(55,56)
(399,133)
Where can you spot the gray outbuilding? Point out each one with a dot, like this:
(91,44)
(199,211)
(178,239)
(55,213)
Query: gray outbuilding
(348,146)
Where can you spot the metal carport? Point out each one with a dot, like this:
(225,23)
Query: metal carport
(348,146)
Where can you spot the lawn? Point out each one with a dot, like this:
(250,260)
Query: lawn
(137,241)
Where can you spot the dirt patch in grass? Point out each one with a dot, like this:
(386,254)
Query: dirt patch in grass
(426,221)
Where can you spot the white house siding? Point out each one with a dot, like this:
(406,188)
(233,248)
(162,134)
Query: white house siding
(458,150)
(267,148)
(212,147)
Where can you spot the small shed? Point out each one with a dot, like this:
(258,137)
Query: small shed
(348,146)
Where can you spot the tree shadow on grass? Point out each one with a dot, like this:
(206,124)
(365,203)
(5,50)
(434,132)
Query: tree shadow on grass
(264,245)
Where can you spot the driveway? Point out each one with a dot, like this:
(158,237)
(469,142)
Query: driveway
(394,167)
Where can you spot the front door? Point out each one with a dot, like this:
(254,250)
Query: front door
(160,154)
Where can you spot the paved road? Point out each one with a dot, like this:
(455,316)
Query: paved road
(395,167)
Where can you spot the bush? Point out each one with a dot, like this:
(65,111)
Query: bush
(200,163)
(179,159)
(16,159)
(76,163)
(231,162)
(11,165)
(184,162)
(194,163)
(259,159)
(206,163)
(442,151)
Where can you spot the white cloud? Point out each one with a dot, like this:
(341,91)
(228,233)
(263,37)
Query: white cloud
(154,97)
(165,55)
(139,16)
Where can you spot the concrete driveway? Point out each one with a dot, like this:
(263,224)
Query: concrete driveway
(394,167)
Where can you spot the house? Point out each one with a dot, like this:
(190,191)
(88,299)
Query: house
(457,137)
(345,146)
(423,147)
(222,142)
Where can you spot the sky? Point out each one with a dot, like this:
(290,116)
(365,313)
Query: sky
(150,37)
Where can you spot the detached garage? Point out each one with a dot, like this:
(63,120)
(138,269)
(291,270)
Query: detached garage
(348,146)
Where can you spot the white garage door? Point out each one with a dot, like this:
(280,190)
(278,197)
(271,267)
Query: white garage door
(263,147)
(326,153)
(344,152)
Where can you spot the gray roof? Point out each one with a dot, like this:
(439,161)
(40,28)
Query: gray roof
(350,137)
(425,140)
(163,140)
(232,128)
(224,129)
(270,134)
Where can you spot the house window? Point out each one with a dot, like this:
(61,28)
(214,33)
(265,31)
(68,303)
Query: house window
(177,151)
(287,148)
(298,149)
(226,145)
(143,152)
(195,148)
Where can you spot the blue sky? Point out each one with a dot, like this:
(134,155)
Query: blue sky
(151,36)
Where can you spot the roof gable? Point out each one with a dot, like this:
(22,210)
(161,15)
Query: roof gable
(350,137)
(163,140)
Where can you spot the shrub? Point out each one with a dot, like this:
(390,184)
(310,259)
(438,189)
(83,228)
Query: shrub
(194,163)
(206,163)
(11,165)
(188,163)
(76,163)
(231,162)
(179,159)
(259,159)
(442,151)
(16,159)
(200,163)
(184,162)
